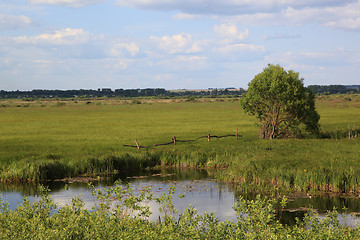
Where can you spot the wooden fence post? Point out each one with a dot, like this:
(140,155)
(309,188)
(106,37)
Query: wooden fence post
(137,144)
(351,134)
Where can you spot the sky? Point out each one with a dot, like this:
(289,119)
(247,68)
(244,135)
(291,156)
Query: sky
(173,44)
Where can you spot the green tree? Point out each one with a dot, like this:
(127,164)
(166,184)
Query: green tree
(281,103)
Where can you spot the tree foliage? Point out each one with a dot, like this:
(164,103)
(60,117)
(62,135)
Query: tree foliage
(281,103)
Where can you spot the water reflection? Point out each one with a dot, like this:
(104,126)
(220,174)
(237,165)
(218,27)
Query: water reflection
(205,194)
(202,192)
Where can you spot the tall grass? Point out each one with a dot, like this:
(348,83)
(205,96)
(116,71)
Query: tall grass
(42,142)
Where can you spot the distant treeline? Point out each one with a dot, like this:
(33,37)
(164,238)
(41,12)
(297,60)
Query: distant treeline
(335,89)
(107,92)
(159,92)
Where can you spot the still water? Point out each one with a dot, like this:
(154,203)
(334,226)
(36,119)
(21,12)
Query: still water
(202,192)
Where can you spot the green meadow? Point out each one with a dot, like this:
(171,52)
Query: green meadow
(47,139)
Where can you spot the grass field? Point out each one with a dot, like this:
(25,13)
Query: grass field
(51,138)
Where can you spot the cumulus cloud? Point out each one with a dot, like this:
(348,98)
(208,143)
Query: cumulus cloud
(63,43)
(346,16)
(230,32)
(122,48)
(68,36)
(67,3)
(72,42)
(13,22)
(343,14)
(180,43)
(346,23)
(343,17)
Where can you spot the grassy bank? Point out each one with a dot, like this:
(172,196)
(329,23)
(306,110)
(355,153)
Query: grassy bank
(50,139)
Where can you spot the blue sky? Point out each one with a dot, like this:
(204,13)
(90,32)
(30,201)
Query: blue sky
(172,44)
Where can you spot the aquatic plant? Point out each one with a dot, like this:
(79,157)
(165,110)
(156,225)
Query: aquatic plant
(119,213)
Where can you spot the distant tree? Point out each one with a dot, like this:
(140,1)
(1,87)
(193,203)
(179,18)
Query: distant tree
(332,89)
(281,103)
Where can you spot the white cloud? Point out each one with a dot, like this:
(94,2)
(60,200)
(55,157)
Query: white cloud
(233,48)
(204,51)
(230,32)
(346,16)
(163,77)
(13,22)
(190,63)
(68,36)
(60,44)
(239,52)
(185,16)
(266,19)
(70,42)
(343,14)
(67,3)
(118,65)
(121,48)
(180,43)
(346,23)
(192,58)
(182,64)
(5,63)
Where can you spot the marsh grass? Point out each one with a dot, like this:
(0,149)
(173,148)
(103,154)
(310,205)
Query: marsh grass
(38,143)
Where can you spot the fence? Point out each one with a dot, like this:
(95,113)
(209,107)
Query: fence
(174,140)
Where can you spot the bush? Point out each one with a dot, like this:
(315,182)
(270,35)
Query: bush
(60,104)
(135,101)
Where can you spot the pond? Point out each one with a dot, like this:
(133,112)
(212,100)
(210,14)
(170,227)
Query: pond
(200,190)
